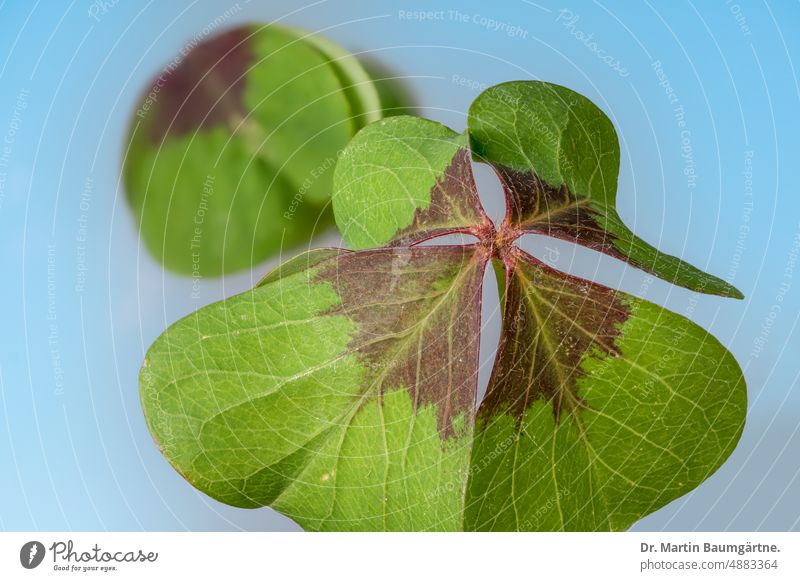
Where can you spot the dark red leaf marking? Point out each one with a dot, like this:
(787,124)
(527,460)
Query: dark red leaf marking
(414,331)
(206,88)
(454,195)
(551,322)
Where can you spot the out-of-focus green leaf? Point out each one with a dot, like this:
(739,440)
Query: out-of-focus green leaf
(232,148)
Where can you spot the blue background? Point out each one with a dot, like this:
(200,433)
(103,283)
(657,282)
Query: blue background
(74,450)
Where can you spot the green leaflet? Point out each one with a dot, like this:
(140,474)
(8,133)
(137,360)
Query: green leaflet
(601,409)
(557,155)
(403,180)
(341,391)
(340,411)
(357,84)
(232,150)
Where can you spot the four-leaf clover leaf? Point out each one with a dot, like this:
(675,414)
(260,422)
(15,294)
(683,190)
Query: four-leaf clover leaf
(232,147)
(341,391)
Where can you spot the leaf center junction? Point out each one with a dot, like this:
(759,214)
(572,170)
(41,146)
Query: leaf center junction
(497,242)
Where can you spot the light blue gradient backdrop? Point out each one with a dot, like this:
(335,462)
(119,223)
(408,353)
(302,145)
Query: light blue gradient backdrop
(83,459)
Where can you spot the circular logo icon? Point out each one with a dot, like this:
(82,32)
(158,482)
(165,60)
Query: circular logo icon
(31,554)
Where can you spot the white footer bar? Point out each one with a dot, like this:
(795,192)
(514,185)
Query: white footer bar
(390,556)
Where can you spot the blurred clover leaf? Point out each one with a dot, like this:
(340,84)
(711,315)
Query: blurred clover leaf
(341,391)
(232,148)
